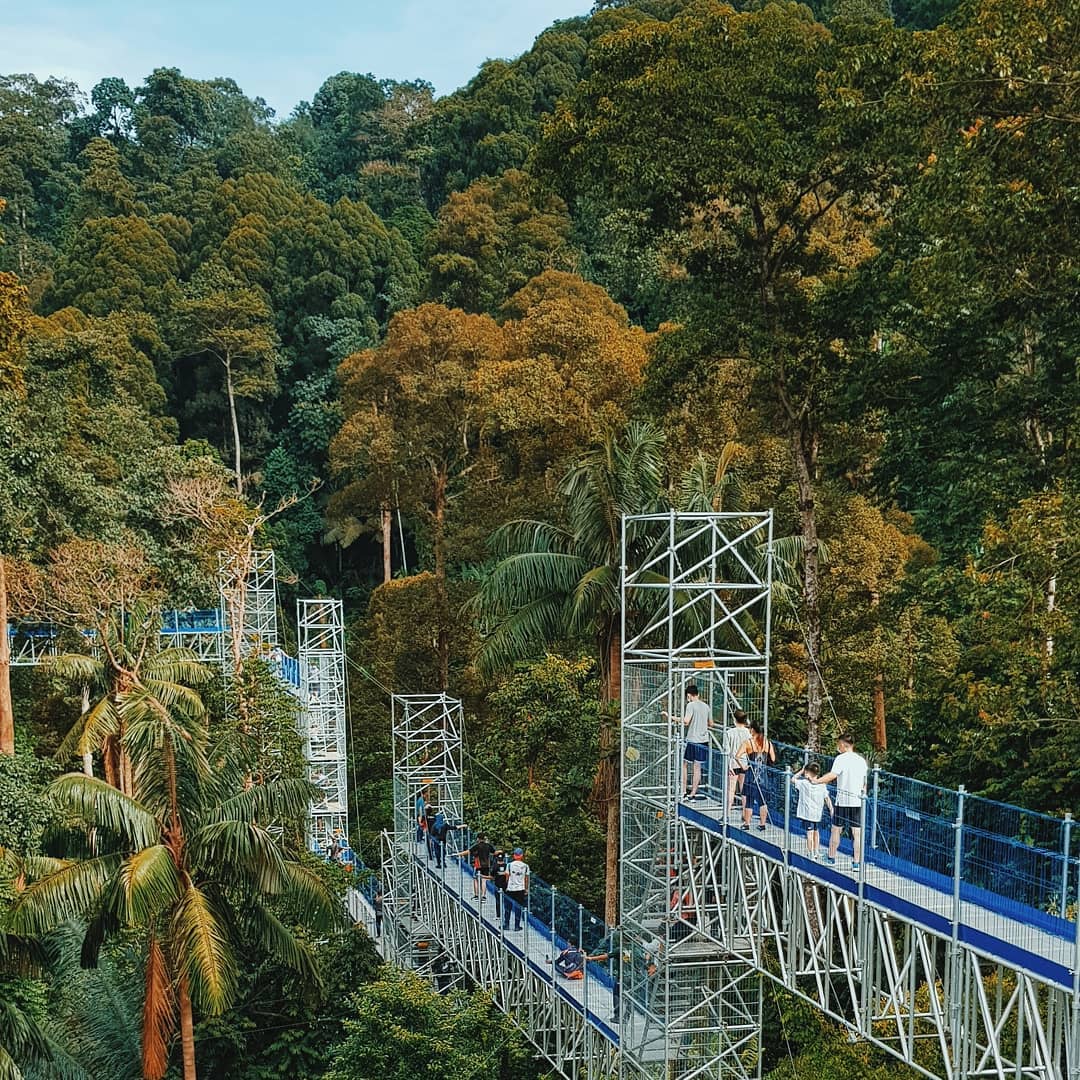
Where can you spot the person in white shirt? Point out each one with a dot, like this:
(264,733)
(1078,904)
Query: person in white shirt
(697,720)
(849,771)
(812,801)
(735,739)
(517,889)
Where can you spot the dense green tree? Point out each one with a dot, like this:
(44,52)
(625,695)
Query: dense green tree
(116,264)
(412,424)
(493,237)
(713,125)
(36,176)
(104,190)
(404,1030)
(981,339)
(232,325)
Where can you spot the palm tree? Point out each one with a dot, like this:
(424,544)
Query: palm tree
(126,657)
(191,857)
(555,583)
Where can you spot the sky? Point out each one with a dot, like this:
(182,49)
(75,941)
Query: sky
(280,50)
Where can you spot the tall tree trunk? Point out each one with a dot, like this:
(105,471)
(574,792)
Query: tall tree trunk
(387,540)
(88,757)
(7,711)
(235,427)
(187,1028)
(443,599)
(804,447)
(881,737)
(607,776)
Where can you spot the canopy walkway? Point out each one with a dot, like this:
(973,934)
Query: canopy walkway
(952,944)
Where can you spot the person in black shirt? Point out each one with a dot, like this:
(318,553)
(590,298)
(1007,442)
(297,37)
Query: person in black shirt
(377,905)
(429,828)
(480,856)
(498,876)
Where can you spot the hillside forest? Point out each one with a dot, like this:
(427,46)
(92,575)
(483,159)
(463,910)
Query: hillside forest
(679,254)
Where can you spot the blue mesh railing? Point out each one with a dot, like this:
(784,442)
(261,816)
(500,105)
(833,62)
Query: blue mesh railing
(287,667)
(197,621)
(1013,862)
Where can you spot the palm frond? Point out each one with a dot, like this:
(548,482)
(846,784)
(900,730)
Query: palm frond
(91,730)
(201,944)
(787,552)
(243,853)
(596,592)
(78,668)
(177,698)
(67,893)
(100,804)
(176,666)
(305,890)
(527,576)
(148,883)
(522,633)
(276,939)
(529,535)
(278,800)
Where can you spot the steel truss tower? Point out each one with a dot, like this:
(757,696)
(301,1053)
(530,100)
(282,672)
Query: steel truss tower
(251,614)
(696,601)
(323,715)
(426,732)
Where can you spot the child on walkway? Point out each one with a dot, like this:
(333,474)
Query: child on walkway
(812,801)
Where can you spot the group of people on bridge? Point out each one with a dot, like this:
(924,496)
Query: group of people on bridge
(508,872)
(749,789)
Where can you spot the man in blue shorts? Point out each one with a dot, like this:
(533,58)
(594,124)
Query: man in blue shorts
(697,720)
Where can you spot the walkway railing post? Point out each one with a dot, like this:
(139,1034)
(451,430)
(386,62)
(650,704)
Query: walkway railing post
(787,815)
(584,953)
(551,927)
(1074,1035)
(1066,847)
(874,811)
(725,768)
(955,981)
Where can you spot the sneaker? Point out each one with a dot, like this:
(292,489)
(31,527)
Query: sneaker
(746,827)
(828,859)
(855,866)
(761,828)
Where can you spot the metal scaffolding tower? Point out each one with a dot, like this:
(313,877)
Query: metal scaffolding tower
(251,610)
(323,715)
(426,731)
(696,595)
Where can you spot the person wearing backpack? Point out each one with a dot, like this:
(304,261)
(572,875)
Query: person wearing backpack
(498,878)
(570,963)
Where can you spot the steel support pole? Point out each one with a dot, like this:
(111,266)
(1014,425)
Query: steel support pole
(955,960)
(1074,1020)
(873,828)
(787,819)
(1066,847)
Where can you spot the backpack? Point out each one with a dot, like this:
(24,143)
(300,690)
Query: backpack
(570,963)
